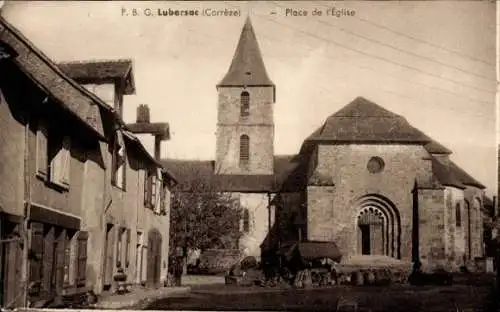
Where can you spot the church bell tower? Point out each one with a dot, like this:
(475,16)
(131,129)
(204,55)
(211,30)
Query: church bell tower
(245,121)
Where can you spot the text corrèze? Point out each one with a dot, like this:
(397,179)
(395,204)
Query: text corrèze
(175,12)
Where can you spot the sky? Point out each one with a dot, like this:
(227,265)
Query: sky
(432,62)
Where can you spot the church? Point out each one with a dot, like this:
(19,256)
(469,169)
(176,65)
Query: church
(366,179)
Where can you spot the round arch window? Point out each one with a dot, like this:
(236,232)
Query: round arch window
(375,165)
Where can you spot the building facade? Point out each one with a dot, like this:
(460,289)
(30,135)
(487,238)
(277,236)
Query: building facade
(81,197)
(366,179)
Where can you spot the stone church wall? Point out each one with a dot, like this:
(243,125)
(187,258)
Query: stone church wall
(441,242)
(431,216)
(473,196)
(331,213)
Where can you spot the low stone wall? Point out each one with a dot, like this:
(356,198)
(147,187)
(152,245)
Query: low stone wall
(215,261)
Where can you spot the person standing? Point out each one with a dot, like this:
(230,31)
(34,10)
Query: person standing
(178,269)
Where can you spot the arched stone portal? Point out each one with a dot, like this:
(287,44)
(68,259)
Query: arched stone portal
(378,226)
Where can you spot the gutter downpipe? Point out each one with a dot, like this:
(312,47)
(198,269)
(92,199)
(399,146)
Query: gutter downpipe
(27,214)
(107,202)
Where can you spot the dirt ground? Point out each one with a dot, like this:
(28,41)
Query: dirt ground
(390,298)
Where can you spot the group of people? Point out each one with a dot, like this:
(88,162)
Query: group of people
(301,273)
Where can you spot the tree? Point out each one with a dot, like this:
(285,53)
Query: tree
(202,217)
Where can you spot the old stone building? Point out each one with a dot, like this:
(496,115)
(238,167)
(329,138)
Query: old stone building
(81,197)
(136,189)
(366,179)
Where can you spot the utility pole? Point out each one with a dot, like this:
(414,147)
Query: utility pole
(496,248)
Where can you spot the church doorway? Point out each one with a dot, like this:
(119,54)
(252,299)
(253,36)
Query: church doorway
(371,231)
(365,239)
(377,227)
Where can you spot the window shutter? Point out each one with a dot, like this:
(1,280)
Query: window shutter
(147,189)
(120,156)
(153,192)
(120,177)
(60,261)
(59,155)
(119,248)
(162,198)
(42,149)
(65,160)
(114,156)
(48,260)
(36,261)
(82,258)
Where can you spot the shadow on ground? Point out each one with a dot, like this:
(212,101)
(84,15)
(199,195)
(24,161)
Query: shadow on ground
(393,298)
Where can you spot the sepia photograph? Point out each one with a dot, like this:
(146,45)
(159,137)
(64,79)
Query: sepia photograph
(249,156)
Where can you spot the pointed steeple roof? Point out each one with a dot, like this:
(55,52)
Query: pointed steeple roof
(363,121)
(247,67)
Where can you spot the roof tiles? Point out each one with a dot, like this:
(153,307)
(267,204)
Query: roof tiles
(247,67)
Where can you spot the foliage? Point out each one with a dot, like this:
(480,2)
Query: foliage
(203,218)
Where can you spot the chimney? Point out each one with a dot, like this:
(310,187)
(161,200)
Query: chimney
(157,147)
(143,114)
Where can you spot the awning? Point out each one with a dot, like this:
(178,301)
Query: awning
(310,250)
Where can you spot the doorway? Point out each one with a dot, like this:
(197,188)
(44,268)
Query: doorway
(365,239)
(108,257)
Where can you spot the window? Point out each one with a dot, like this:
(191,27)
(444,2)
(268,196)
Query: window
(42,161)
(246,221)
(81,258)
(127,249)
(163,198)
(458,215)
(59,157)
(52,155)
(245,104)
(150,189)
(68,280)
(244,150)
(469,221)
(118,174)
(375,165)
(153,191)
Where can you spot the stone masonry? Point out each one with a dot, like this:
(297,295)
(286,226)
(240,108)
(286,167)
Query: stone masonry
(331,212)
(259,126)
